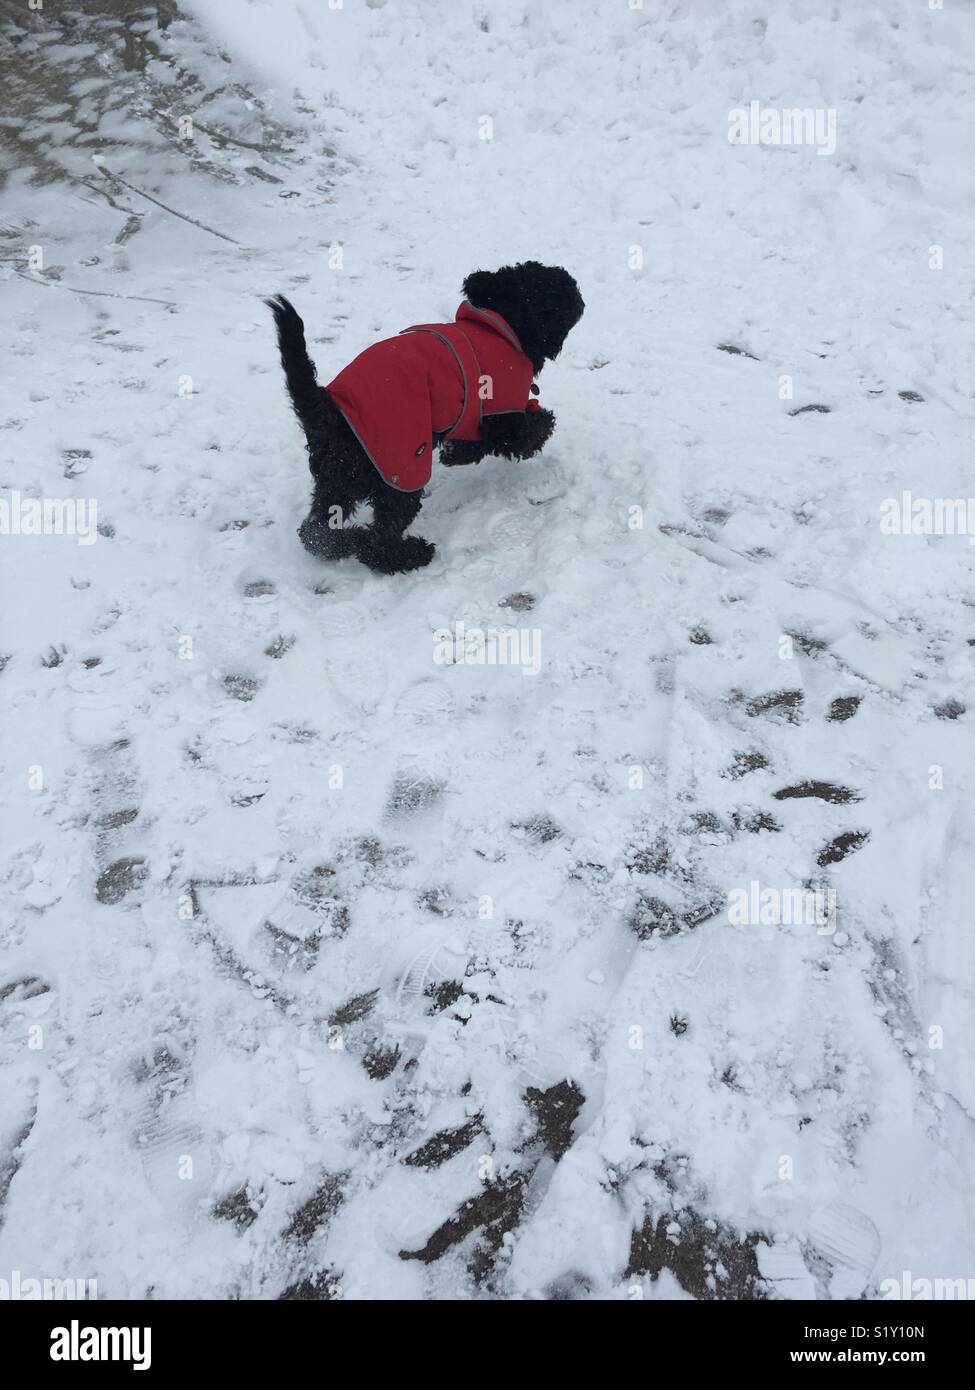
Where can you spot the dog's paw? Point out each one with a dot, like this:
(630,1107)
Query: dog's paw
(411,553)
(416,553)
(327,542)
(457,453)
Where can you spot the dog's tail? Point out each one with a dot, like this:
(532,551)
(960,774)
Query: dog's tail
(299,369)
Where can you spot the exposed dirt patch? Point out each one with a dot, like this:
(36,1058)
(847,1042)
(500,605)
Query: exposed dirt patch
(519,603)
(117,51)
(237,1207)
(443,1146)
(785,704)
(736,351)
(242,688)
(541,830)
(708,1260)
(807,644)
(950,709)
(413,792)
(112,820)
(823,791)
(650,859)
(846,844)
(754,822)
(324,1286)
(11,1161)
(843,707)
(556,1111)
(316,889)
(359,1006)
(494,1211)
(443,995)
(744,763)
(312,1215)
(652,918)
(380,1061)
(27,987)
(436,900)
(120,879)
(706,824)
(569,1288)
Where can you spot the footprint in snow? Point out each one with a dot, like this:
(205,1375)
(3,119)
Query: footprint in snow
(849,1242)
(177,1161)
(242,688)
(339,619)
(518,603)
(281,644)
(259,591)
(950,709)
(509,532)
(413,791)
(115,883)
(842,847)
(784,704)
(424,706)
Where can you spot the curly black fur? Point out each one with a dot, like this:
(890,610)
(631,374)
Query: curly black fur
(541,303)
(513,435)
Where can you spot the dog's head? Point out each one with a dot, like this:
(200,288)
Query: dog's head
(542,304)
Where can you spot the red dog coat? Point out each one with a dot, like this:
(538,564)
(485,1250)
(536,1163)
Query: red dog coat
(435,380)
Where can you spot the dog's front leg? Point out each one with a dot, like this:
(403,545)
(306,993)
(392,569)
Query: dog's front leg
(517,434)
(383,546)
(455,453)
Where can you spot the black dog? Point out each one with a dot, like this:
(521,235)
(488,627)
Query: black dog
(462,386)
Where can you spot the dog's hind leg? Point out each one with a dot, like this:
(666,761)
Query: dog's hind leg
(325,541)
(324,531)
(382,546)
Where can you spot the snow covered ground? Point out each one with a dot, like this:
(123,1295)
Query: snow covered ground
(330,970)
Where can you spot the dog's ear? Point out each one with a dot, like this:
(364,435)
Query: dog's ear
(477,288)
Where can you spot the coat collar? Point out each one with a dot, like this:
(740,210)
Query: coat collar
(491,320)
